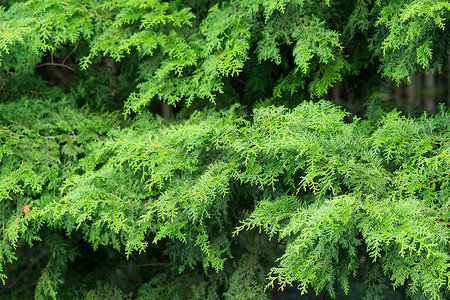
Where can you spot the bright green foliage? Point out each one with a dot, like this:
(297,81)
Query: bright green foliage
(415,29)
(41,144)
(261,192)
(300,45)
(335,194)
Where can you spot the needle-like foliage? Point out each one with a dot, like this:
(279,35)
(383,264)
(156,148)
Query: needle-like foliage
(270,189)
(335,194)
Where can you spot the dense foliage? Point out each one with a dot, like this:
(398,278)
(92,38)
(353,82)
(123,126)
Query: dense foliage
(181,51)
(254,186)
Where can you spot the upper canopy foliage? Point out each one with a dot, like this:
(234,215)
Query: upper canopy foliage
(184,49)
(230,202)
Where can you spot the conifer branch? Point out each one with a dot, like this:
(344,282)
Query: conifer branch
(444,223)
(55,65)
(71,52)
(323,189)
(100,16)
(24,90)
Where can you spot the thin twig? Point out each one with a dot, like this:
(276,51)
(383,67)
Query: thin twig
(142,265)
(54,64)
(19,90)
(70,53)
(100,16)
(117,197)
(436,221)
(316,260)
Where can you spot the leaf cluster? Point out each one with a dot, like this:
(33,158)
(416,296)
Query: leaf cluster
(367,196)
(230,202)
(183,53)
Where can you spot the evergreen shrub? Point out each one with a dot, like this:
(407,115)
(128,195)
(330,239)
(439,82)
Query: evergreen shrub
(255,185)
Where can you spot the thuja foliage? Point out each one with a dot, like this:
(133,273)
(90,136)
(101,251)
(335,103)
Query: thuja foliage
(333,198)
(100,198)
(183,50)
